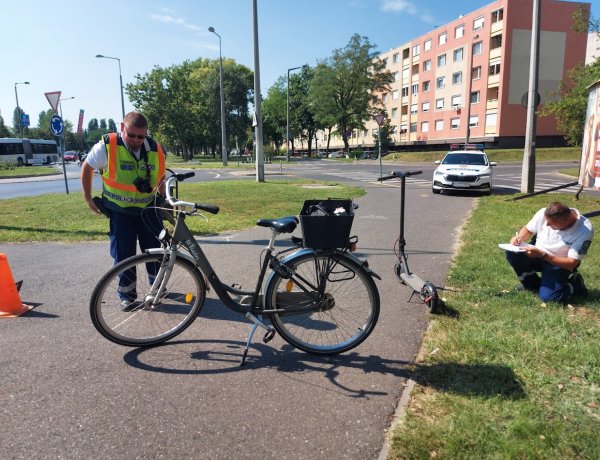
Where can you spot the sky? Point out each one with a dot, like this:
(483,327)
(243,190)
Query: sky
(53,44)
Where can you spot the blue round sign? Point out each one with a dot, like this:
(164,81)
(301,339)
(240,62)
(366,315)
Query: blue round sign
(56,125)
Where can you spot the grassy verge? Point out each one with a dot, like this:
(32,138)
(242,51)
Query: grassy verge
(504,375)
(67,218)
(22,171)
(499,155)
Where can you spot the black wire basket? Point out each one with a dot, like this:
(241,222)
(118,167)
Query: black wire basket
(326,224)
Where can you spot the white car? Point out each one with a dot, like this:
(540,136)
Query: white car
(463,170)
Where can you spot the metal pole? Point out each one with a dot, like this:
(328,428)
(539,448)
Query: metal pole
(287,131)
(379,142)
(18,108)
(468,96)
(120,81)
(223,130)
(62,147)
(260,161)
(528,172)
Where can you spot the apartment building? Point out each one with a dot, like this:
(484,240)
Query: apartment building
(472,74)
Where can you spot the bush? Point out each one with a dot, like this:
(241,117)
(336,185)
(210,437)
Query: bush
(7,166)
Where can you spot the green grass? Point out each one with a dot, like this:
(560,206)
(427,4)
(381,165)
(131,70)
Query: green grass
(512,377)
(67,218)
(26,171)
(499,155)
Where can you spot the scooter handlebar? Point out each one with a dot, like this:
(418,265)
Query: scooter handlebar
(399,174)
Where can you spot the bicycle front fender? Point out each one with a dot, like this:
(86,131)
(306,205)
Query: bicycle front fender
(183,255)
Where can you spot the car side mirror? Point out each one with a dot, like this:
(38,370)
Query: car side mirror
(437,162)
(493,163)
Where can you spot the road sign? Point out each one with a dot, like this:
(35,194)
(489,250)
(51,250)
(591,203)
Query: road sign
(24,119)
(53,98)
(379,118)
(56,125)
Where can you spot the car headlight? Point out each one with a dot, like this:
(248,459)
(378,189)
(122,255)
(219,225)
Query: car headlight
(438,173)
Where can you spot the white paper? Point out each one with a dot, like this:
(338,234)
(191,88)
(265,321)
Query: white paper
(512,247)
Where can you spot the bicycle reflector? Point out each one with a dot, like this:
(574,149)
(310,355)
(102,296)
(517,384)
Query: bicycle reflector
(289,286)
(188,297)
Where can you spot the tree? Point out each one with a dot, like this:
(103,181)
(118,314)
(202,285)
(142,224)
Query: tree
(274,113)
(570,109)
(345,86)
(4,131)
(303,117)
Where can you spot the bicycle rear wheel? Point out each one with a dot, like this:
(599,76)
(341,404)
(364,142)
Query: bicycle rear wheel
(124,308)
(342,315)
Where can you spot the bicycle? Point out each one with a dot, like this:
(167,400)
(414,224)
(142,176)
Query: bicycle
(321,301)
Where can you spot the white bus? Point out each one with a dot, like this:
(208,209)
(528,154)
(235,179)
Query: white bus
(26,152)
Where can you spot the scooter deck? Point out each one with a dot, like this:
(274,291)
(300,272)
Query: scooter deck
(413,281)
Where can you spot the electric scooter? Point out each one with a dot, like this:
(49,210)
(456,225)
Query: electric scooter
(425,290)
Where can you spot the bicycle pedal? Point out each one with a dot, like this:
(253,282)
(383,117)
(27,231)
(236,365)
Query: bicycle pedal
(269,336)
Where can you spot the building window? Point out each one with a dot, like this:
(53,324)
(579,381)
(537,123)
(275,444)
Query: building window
(426,86)
(384,97)
(405,73)
(413,127)
(405,91)
(490,119)
(439,125)
(402,129)
(443,38)
(439,103)
(427,65)
(475,97)
(396,58)
(396,76)
(459,31)
(405,53)
(456,101)
(385,62)
(495,68)
(458,55)
(474,121)
(425,107)
(478,23)
(440,82)
(395,94)
(394,112)
(416,50)
(497,15)
(496,41)
(476,73)
(427,45)
(414,108)
(441,60)
(454,123)
(425,127)
(457,78)
(477,48)
(414,89)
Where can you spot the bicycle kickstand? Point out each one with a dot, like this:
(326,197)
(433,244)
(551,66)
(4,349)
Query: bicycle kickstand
(267,338)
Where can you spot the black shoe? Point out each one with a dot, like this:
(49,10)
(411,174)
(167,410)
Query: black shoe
(579,287)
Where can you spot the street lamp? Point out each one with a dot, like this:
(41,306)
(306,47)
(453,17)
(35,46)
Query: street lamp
(60,105)
(120,80)
(287,131)
(223,131)
(18,109)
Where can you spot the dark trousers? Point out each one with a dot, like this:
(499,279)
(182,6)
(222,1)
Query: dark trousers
(126,230)
(553,284)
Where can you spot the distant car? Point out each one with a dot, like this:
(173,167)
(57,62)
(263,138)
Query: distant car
(70,156)
(463,170)
(335,155)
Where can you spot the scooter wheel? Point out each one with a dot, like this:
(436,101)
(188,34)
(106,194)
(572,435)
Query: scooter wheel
(430,297)
(398,272)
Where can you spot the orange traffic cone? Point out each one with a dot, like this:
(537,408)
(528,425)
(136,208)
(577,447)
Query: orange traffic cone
(10,302)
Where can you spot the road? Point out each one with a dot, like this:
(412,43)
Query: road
(69,393)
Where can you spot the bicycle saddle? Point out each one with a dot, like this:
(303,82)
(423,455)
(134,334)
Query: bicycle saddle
(283,225)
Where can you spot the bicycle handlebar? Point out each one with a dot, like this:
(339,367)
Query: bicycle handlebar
(173,202)
(399,174)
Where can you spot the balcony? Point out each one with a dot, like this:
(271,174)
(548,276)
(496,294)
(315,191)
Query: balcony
(495,53)
(493,81)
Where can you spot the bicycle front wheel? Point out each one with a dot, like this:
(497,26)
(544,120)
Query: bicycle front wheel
(329,305)
(127,307)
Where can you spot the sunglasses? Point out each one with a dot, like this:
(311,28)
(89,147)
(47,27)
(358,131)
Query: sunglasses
(135,136)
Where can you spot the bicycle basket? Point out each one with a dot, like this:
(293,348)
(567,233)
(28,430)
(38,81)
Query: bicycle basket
(326,224)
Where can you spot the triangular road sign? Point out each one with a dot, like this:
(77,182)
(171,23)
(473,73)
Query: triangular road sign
(53,98)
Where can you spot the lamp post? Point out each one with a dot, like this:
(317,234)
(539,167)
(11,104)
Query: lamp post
(18,109)
(287,131)
(379,119)
(223,130)
(120,80)
(468,96)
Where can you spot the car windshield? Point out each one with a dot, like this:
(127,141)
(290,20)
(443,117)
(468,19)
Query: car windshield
(465,159)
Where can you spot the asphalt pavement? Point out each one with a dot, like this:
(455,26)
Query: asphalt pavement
(66,392)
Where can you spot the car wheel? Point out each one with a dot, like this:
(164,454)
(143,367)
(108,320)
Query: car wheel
(20,161)
(435,191)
